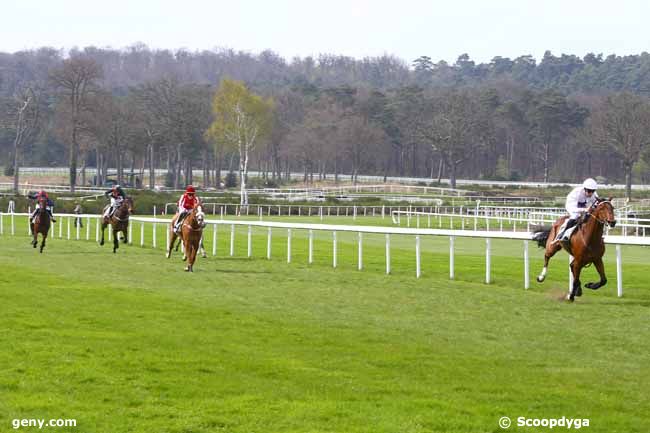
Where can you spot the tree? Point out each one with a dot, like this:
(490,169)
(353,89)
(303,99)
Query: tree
(241,119)
(23,119)
(77,78)
(623,123)
(451,129)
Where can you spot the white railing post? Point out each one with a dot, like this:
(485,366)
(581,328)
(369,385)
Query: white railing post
(488,251)
(214,239)
(232,240)
(451,257)
(154,235)
(130,233)
(387,254)
(570,274)
(417,257)
(526,267)
(250,242)
(97,223)
(87,228)
(2,224)
(360,252)
(142,233)
(13,225)
(311,247)
(68,225)
(76,223)
(619,272)
(288,245)
(334,249)
(268,244)
(167,246)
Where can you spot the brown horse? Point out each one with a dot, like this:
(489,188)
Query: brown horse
(586,245)
(41,223)
(191,235)
(119,222)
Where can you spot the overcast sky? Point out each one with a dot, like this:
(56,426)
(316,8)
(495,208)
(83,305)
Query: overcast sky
(407,29)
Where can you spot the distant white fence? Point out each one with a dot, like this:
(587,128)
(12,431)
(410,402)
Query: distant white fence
(66,220)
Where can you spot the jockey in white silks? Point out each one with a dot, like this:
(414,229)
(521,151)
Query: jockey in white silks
(579,200)
(117,196)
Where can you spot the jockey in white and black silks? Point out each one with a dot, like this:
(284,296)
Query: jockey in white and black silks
(186,203)
(117,196)
(49,205)
(579,200)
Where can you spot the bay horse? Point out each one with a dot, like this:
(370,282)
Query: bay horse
(119,222)
(191,235)
(41,223)
(586,244)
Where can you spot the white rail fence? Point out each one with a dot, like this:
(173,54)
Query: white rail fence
(73,230)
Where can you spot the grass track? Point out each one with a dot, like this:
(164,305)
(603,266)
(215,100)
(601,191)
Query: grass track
(129,342)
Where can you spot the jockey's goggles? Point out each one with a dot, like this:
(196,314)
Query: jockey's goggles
(590,190)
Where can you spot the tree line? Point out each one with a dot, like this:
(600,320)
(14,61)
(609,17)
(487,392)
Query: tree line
(137,109)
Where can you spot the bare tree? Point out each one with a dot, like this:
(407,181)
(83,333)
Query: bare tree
(623,124)
(77,78)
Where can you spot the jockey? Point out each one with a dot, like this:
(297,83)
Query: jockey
(579,200)
(187,202)
(49,205)
(116,195)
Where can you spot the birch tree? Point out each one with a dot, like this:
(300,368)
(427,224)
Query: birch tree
(241,120)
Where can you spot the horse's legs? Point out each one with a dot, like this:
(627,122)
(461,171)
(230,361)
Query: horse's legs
(576,288)
(598,263)
(101,242)
(43,241)
(172,239)
(116,242)
(203,253)
(125,232)
(550,251)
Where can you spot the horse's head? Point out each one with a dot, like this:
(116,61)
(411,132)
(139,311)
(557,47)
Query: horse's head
(200,216)
(42,203)
(128,202)
(604,212)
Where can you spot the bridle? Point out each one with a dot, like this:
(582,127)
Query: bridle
(593,215)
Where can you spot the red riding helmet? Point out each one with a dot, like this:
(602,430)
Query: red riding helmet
(42,193)
(190,189)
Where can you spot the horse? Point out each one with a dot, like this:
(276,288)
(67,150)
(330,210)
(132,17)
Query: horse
(586,245)
(119,222)
(191,234)
(41,223)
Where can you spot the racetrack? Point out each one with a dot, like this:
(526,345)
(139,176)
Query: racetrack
(129,342)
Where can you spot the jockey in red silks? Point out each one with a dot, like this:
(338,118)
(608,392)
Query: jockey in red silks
(187,202)
(49,204)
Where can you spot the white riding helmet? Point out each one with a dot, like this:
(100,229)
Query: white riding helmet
(590,184)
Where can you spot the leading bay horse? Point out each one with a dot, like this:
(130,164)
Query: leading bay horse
(119,222)
(41,223)
(586,245)
(191,235)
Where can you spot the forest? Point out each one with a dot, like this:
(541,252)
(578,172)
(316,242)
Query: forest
(558,119)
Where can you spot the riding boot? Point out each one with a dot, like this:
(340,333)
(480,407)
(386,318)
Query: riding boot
(569,223)
(51,216)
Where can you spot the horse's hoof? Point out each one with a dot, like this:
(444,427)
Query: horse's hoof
(579,291)
(204,255)
(187,269)
(101,243)
(593,286)
(540,279)
(570,298)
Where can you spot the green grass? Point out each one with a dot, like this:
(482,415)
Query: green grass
(130,342)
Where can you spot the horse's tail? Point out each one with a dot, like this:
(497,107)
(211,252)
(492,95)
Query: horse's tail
(540,235)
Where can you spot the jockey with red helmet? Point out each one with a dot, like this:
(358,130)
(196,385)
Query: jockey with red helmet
(117,195)
(187,202)
(49,205)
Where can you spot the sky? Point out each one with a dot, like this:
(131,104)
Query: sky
(406,29)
